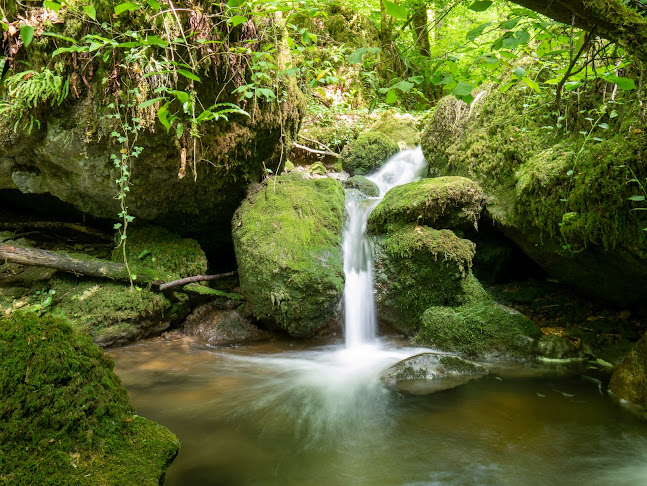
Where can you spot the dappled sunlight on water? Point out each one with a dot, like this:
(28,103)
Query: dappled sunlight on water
(285,414)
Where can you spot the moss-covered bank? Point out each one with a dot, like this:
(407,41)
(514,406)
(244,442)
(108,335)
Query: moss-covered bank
(562,196)
(64,416)
(287,238)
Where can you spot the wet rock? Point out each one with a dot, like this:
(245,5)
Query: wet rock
(211,325)
(428,373)
(441,203)
(287,238)
(629,380)
(362,184)
(555,347)
(368,152)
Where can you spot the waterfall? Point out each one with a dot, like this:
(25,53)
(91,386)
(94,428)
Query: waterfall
(360,318)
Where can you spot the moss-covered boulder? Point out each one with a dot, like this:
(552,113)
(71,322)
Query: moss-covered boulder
(441,203)
(429,372)
(479,329)
(399,128)
(211,325)
(363,185)
(563,198)
(287,238)
(64,416)
(629,380)
(417,267)
(368,152)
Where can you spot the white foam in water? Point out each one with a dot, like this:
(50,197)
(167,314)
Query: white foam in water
(360,321)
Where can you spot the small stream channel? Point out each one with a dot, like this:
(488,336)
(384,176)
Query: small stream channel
(296,413)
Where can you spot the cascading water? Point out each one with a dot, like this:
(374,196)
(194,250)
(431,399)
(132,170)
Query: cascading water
(360,320)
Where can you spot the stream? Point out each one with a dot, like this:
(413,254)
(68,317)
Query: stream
(294,413)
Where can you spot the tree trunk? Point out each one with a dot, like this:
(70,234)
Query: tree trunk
(420,25)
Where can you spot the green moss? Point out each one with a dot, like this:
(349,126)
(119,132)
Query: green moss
(165,253)
(458,365)
(441,202)
(287,239)
(401,129)
(417,267)
(318,169)
(368,152)
(64,417)
(629,380)
(479,329)
(362,184)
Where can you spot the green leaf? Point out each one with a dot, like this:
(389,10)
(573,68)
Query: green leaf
(480,5)
(26,34)
(463,89)
(357,56)
(396,11)
(179,130)
(416,79)
(182,96)
(91,11)
(154,5)
(267,93)
(391,97)
(519,72)
(531,84)
(126,7)
(510,24)
(604,125)
(55,6)
(404,86)
(477,31)
(188,74)
(637,198)
(623,83)
(237,20)
(61,37)
(235,3)
(153,40)
(162,115)
(150,102)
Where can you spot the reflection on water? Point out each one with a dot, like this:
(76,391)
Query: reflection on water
(283,414)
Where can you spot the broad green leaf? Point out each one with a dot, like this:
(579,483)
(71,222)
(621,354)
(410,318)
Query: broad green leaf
(531,84)
(126,7)
(605,126)
(55,6)
(477,31)
(128,45)
(179,130)
(154,5)
(235,3)
(150,102)
(266,92)
(153,40)
(188,74)
(510,24)
(65,50)
(356,57)
(91,11)
(237,20)
(480,5)
(623,83)
(182,96)
(404,86)
(519,72)
(396,11)
(416,79)
(26,34)
(463,89)
(162,115)
(637,198)
(391,97)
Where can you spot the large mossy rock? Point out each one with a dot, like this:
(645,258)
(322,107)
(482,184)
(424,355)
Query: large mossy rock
(562,198)
(629,380)
(363,185)
(417,267)
(191,188)
(287,238)
(441,203)
(399,128)
(479,329)
(65,418)
(368,152)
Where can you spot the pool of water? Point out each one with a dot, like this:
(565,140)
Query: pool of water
(282,413)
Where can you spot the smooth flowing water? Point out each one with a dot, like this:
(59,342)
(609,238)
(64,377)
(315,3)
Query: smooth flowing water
(290,413)
(360,321)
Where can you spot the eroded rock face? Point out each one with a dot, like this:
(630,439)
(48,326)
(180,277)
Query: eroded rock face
(287,238)
(440,202)
(428,373)
(629,380)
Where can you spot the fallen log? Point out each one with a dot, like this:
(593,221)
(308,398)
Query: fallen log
(92,267)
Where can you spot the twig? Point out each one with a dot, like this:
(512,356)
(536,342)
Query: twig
(317,142)
(196,278)
(314,151)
